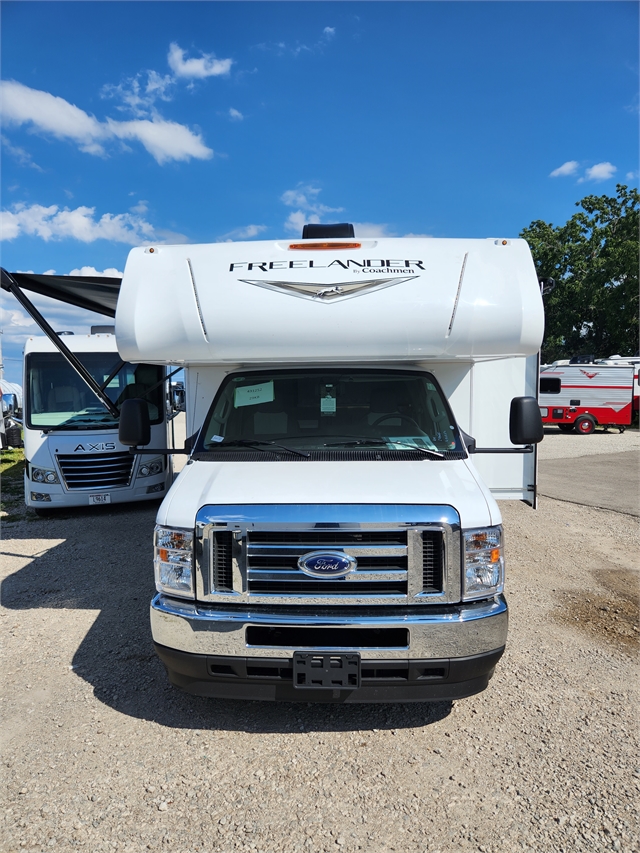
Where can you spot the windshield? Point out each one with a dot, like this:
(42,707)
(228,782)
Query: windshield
(316,409)
(58,398)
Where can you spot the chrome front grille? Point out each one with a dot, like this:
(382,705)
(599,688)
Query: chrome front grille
(272,562)
(247,560)
(96,470)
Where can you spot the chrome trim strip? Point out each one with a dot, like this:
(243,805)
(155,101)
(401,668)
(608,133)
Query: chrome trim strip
(352,550)
(438,632)
(359,575)
(343,516)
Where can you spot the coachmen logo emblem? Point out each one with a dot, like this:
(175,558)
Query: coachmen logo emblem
(327,564)
(328,293)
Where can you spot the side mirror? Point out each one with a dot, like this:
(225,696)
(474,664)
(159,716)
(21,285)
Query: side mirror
(177,400)
(9,404)
(134,429)
(525,421)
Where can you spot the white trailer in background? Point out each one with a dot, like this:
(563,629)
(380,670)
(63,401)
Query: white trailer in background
(72,452)
(331,538)
(579,397)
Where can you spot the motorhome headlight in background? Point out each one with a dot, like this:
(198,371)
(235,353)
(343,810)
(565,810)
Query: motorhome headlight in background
(44,475)
(483,562)
(151,468)
(173,560)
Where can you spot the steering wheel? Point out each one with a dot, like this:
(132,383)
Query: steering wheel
(405,419)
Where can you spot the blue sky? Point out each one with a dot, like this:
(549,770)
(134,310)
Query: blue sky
(134,122)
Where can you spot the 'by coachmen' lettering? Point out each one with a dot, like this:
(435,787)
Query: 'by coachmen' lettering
(265,266)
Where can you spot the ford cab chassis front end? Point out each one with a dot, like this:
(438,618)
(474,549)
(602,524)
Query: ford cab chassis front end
(395,629)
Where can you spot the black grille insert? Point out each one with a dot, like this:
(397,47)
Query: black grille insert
(324,538)
(221,560)
(96,470)
(327,638)
(432,562)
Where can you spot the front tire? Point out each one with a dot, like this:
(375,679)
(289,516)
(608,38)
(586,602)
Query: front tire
(585,425)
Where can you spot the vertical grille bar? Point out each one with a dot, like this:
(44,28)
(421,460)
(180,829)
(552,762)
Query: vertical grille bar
(432,568)
(221,560)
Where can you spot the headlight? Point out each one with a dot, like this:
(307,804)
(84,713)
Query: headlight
(483,563)
(44,475)
(150,469)
(173,560)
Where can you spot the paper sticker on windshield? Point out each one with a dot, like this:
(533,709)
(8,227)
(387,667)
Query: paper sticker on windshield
(251,395)
(328,400)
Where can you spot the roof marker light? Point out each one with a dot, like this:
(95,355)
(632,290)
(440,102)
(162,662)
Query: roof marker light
(324,246)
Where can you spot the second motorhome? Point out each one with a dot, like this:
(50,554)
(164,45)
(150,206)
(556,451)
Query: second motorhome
(72,452)
(355,407)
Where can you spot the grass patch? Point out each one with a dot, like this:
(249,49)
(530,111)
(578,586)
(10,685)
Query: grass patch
(12,506)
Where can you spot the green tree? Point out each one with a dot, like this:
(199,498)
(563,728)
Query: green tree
(593,258)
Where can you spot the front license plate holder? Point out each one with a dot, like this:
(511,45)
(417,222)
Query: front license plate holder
(326,671)
(100,499)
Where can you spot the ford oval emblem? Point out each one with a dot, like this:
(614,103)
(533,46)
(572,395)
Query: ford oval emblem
(327,564)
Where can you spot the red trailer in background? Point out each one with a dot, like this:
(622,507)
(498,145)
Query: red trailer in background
(579,397)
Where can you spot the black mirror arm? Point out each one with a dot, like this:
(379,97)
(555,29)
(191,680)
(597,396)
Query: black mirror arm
(526,449)
(158,451)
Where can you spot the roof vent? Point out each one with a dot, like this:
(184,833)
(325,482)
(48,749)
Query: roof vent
(59,334)
(103,330)
(313,231)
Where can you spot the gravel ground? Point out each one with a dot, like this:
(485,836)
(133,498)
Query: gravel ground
(558,445)
(101,754)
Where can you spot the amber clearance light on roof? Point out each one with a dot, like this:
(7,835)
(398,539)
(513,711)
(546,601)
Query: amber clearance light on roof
(321,246)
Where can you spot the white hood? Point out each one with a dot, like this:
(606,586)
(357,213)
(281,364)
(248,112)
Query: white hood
(424,482)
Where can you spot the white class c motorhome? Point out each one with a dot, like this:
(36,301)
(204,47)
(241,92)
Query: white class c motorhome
(334,535)
(72,452)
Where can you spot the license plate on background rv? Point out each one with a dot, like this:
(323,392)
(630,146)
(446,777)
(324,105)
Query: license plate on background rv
(99,499)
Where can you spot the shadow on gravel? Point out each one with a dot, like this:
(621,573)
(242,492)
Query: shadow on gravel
(105,563)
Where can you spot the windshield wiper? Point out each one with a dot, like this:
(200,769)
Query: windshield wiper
(259,445)
(378,442)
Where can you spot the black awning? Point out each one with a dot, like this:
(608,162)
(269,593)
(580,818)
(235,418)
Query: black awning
(95,293)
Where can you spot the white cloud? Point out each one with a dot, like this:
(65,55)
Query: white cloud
(137,96)
(248,232)
(599,172)
(206,66)
(111,272)
(23,157)
(630,176)
(235,115)
(14,317)
(164,140)
(49,114)
(568,168)
(304,196)
(281,48)
(55,223)
(297,220)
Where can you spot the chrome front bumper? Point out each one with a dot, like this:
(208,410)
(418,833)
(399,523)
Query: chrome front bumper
(451,631)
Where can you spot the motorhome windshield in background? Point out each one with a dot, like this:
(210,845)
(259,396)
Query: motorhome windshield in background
(334,408)
(58,398)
